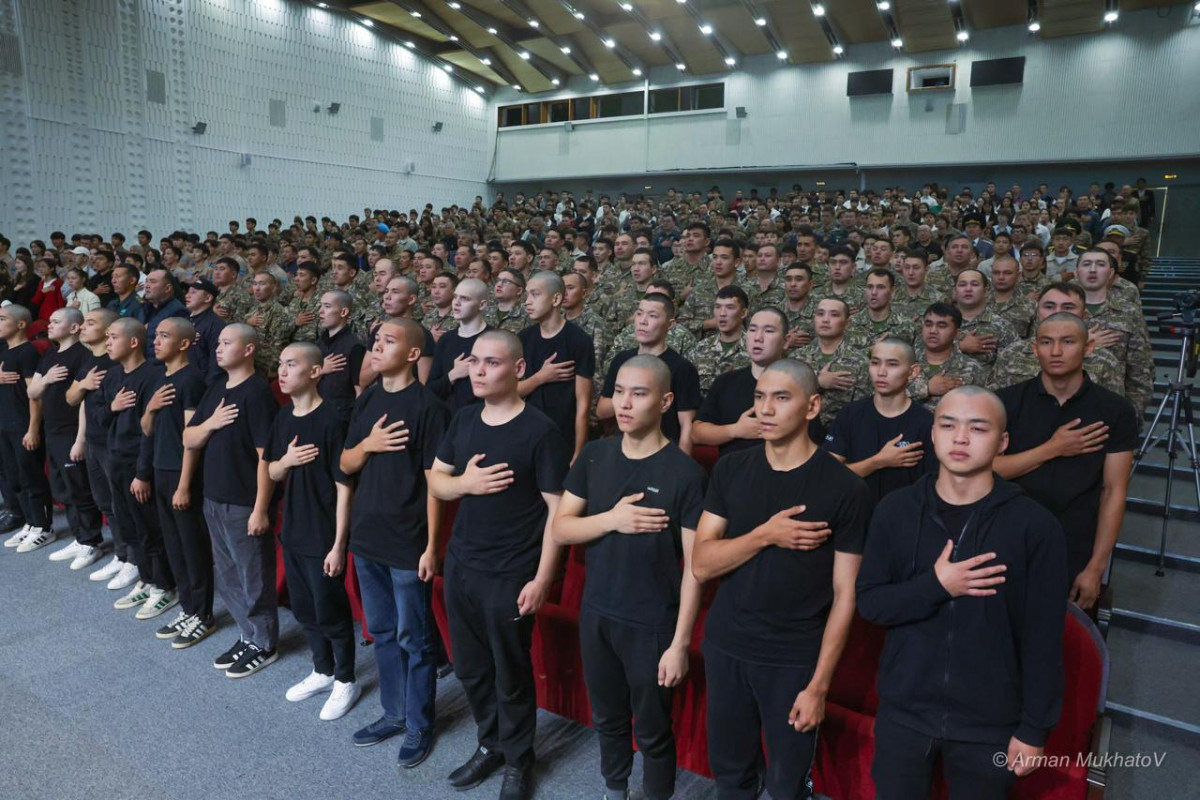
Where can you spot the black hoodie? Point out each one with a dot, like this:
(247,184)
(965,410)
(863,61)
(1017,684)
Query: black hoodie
(973,669)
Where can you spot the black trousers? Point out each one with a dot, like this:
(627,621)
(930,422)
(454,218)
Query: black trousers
(620,667)
(69,482)
(747,704)
(903,766)
(491,659)
(99,467)
(139,527)
(25,486)
(188,548)
(321,606)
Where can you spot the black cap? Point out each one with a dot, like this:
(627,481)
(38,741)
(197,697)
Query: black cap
(972,216)
(205,285)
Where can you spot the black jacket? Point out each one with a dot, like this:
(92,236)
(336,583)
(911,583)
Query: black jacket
(975,669)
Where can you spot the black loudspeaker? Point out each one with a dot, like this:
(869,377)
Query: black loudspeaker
(998,71)
(871,81)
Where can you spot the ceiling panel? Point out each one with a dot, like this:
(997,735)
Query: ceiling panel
(983,14)
(695,48)
(737,27)
(856,21)
(551,52)
(493,8)
(801,34)
(1071,17)
(393,15)
(925,25)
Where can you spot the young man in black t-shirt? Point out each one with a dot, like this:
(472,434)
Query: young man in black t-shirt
(25,486)
(176,488)
(68,475)
(449,377)
(654,317)
(726,417)
(304,450)
(787,563)
(885,438)
(342,351)
(560,360)
(232,425)
(634,501)
(127,388)
(967,572)
(393,438)
(506,461)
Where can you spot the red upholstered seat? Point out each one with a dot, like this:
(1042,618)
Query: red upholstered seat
(41,345)
(37,330)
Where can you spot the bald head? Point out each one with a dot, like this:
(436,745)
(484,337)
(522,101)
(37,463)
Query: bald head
(242,333)
(129,328)
(1064,317)
(653,366)
(552,282)
(989,400)
(414,334)
(507,339)
(183,328)
(306,353)
(477,289)
(799,372)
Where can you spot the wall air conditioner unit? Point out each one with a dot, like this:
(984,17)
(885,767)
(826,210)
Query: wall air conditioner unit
(935,77)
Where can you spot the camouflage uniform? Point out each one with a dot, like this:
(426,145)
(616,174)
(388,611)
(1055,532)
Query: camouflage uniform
(914,307)
(306,333)
(865,331)
(515,321)
(615,275)
(846,358)
(958,365)
(1133,351)
(773,295)
(1019,311)
(681,274)
(941,280)
(444,322)
(237,301)
(801,319)
(713,357)
(855,295)
(679,339)
(1034,287)
(622,305)
(989,323)
(274,334)
(1017,363)
(699,304)
(596,327)
(1126,293)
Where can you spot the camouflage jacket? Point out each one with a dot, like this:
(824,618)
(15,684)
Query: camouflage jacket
(988,323)
(438,323)
(699,304)
(1019,311)
(855,295)
(712,358)
(1033,287)
(679,339)
(681,274)
(958,365)
(845,358)
(773,295)
(514,321)
(237,301)
(305,333)
(274,333)
(865,331)
(1133,351)
(616,274)
(1018,363)
(914,307)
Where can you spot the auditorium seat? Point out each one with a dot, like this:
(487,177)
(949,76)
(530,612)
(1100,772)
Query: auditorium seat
(37,329)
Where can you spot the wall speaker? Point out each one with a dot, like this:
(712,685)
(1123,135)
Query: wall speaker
(410,167)
(335,107)
(741,112)
(437,127)
(568,126)
(871,81)
(199,128)
(246,159)
(998,71)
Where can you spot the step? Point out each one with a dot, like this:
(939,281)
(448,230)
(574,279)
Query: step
(1148,672)
(1179,766)
(1140,539)
(1174,597)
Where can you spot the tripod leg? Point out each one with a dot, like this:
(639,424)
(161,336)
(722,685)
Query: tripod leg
(1150,439)
(1171,447)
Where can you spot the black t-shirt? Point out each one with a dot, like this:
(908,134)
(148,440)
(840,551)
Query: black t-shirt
(772,609)
(14,397)
(125,440)
(635,578)
(95,409)
(731,395)
(685,384)
(452,345)
(859,431)
(557,400)
(955,519)
(1068,487)
(338,388)
(58,416)
(501,534)
(389,524)
(231,456)
(168,422)
(310,493)
(101,279)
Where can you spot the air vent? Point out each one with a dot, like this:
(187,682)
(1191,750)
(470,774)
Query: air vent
(278,114)
(156,87)
(376,129)
(10,54)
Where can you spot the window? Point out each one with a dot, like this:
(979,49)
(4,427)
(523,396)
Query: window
(625,104)
(559,111)
(687,98)
(664,101)
(512,116)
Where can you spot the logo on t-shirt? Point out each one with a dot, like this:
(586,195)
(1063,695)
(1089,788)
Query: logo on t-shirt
(652,489)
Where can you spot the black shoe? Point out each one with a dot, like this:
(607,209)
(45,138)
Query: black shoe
(193,632)
(378,731)
(444,670)
(253,659)
(230,656)
(416,748)
(516,784)
(10,523)
(482,764)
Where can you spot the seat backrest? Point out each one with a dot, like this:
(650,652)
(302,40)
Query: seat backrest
(854,680)
(1085,665)
(705,455)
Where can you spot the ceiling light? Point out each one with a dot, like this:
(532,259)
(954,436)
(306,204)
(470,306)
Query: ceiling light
(610,43)
(706,29)
(322,5)
(409,45)
(1111,16)
(524,54)
(487,62)
(963,36)
(448,68)
(555,81)
(838,49)
(761,22)
(782,55)
(479,89)
(627,6)
(578,15)
(517,86)
(883,5)
(655,35)
(492,31)
(637,71)
(1035,26)
(819,10)
(1198,8)
(456,6)
(681,66)
(681,2)
(897,43)
(533,23)
(453,38)
(731,61)
(368,23)
(416,14)
(594,77)
(566,50)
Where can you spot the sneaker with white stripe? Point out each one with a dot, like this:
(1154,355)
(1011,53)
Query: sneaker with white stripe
(36,539)
(67,553)
(172,628)
(16,539)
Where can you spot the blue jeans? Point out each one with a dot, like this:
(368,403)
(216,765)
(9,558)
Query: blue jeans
(399,613)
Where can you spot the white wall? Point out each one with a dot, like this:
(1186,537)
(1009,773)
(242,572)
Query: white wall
(1130,92)
(83,148)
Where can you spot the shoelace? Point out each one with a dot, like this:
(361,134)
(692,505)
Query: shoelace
(179,621)
(190,623)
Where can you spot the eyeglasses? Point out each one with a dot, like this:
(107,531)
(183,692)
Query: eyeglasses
(506,282)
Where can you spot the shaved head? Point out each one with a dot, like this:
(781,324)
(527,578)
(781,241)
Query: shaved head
(658,370)
(1073,320)
(551,280)
(245,334)
(801,373)
(993,401)
(477,288)
(414,334)
(183,328)
(307,352)
(130,328)
(506,338)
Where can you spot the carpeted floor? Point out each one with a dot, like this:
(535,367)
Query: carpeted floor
(95,707)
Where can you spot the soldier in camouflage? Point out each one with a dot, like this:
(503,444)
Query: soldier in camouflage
(915,295)
(507,309)
(841,368)
(1007,301)
(879,319)
(842,284)
(1033,269)
(941,365)
(765,288)
(272,322)
(682,270)
(233,303)
(696,312)
(799,305)
(959,255)
(440,318)
(983,332)
(726,351)
(305,302)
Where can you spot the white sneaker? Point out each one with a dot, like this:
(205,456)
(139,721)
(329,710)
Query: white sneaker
(36,539)
(126,577)
(341,700)
(16,539)
(314,684)
(66,553)
(108,571)
(159,601)
(85,556)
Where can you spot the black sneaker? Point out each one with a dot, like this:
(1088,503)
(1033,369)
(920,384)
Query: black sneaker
(416,748)
(253,659)
(172,628)
(477,770)
(444,670)
(196,629)
(517,781)
(230,656)
(9,522)
(378,731)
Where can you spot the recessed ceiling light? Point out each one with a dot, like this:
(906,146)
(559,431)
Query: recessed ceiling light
(416,14)
(368,23)
(655,35)
(610,43)
(479,89)
(838,49)
(681,66)
(897,42)
(322,5)
(1111,16)
(760,21)
(627,6)
(594,77)
(731,61)
(883,5)
(566,50)
(637,71)
(555,81)
(453,38)
(1035,26)
(819,10)
(456,6)
(409,45)
(492,31)
(487,62)
(578,15)
(782,55)
(533,23)
(524,54)
(706,29)
(963,36)
(517,86)
(448,68)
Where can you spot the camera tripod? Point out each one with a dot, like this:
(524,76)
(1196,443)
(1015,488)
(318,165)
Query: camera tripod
(1179,399)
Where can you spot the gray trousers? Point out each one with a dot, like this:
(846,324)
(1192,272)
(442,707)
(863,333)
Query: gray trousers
(244,572)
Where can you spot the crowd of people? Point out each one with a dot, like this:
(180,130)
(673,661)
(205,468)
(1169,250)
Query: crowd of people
(924,409)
